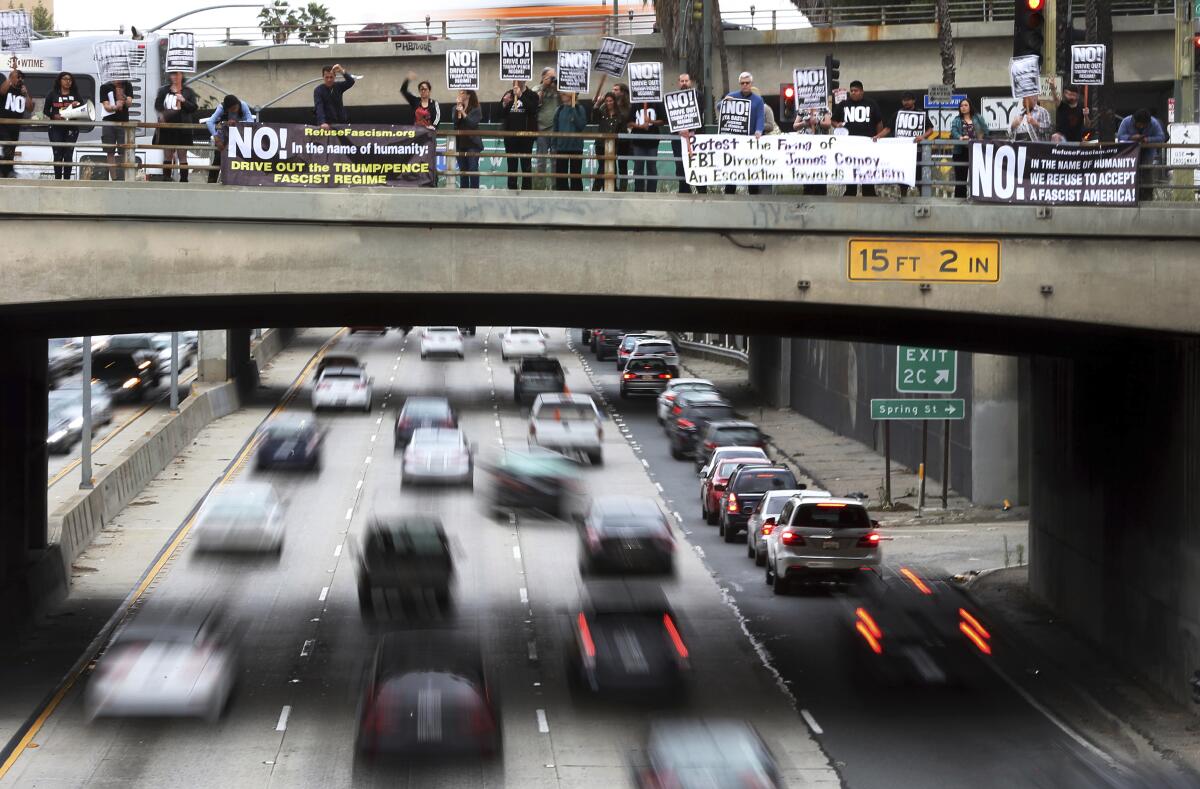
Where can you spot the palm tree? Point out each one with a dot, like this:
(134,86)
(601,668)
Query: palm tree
(277,21)
(316,24)
(945,42)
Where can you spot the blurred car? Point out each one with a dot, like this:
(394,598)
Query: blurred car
(468,330)
(64,358)
(64,427)
(191,338)
(690,417)
(289,441)
(438,454)
(712,484)
(337,360)
(585,337)
(368,330)
(762,522)
(385,31)
(421,412)
(567,423)
(744,493)
(342,387)
(625,347)
(178,664)
(441,341)
(606,341)
(537,480)
(723,453)
(102,405)
(645,375)
(705,754)
(427,695)
(128,372)
(405,554)
(522,341)
(657,346)
(727,433)
(675,387)
(536,375)
(626,533)
(162,342)
(830,539)
(626,640)
(243,517)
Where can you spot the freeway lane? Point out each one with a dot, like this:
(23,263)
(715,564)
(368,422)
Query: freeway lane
(304,647)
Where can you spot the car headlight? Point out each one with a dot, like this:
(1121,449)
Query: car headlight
(145,364)
(131,383)
(56,436)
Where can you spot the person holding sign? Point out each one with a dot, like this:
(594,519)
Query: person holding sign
(467,116)
(647,119)
(16,105)
(116,97)
(814,121)
(546,108)
(860,117)
(746,91)
(176,103)
(967,126)
(608,118)
(685,83)
(63,95)
(519,113)
(569,118)
(327,97)
(1071,119)
(1032,123)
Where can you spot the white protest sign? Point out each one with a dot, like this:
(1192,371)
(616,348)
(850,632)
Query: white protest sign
(116,59)
(462,69)
(812,88)
(839,95)
(1023,76)
(613,56)
(516,60)
(1087,64)
(575,70)
(683,110)
(909,124)
(16,31)
(799,159)
(998,112)
(645,82)
(1183,134)
(734,116)
(181,53)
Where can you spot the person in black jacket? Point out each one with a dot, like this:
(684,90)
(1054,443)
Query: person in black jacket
(17,104)
(426,110)
(176,103)
(518,113)
(607,117)
(467,115)
(64,95)
(327,97)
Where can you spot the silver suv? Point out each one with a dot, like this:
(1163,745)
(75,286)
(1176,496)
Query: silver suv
(829,539)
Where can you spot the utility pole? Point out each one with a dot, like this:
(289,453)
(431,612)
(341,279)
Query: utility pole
(707,45)
(1050,50)
(1185,83)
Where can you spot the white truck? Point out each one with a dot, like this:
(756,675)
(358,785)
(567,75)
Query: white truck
(569,424)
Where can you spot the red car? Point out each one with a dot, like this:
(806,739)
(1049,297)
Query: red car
(386,31)
(712,487)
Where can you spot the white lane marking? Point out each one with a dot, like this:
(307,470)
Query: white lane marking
(281,725)
(358,485)
(524,595)
(811,721)
(368,460)
(379,421)
(645,463)
(517,552)
(532,650)
(337,551)
(349,513)
(373,438)
(659,486)
(323,595)
(678,517)
(306,650)
(543,724)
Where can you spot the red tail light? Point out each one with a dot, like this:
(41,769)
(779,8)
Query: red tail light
(710,444)
(670,398)
(322,386)
(685,424)
(732,504)
(915,580)
(664,375)
(870,631)
(585,634)
(673,632)
(791,538)
(677,410)
(768,526)
(532,429)
(869,540)
(974,631)
(628,376)
(481,719)
(447,423)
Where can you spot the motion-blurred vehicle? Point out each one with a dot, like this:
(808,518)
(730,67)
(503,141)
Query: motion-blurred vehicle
(385,31)
(407,555)
(102,406)
(337,360)
(724,453)
(178,664)
(606,341)
(368,330)
(830,539)
(712,484)
(625,347)
(421,412)
(705,754)
(242,517)
(567,423)
(626,639)
(585,337)
(675,387)
(727,433)
(690,416)
(191,338)
(744,493)
(534,480)
(522,341)
(536,375)
(441,341)
(762,522)
(657,346)
(289,441)
(438,455)
(64,357)
(342,387)
(162,342)
(647,375)
(62,430)
(427,695)
(128,372)
(626,534)
(468,330)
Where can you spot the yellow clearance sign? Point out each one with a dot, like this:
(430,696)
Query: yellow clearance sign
(923,260)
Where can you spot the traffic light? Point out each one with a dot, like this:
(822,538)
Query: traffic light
(832,65)
(697,10)
(787,103)
(1196,53)
(1029,37)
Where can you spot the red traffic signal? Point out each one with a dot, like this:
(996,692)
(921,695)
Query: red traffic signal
(1035,5)
(789,92)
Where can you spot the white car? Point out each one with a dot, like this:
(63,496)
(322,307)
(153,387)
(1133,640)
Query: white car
(522,341)
(567,424)
(246,517)
(825,539)
(720,453)
(342,387)
(441,340)
(162,343)
(674,387)
(656,347)
(762,522)
(438,454)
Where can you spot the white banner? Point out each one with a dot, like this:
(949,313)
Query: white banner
(714,159)
(1087,64)
(575,71)
(645,82)
(516,60)
(181,53)
(1024,76)
(462,69)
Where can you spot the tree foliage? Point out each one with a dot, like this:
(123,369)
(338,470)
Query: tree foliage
(312,24)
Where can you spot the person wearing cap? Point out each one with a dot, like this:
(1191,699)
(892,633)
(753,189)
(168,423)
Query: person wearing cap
(757,115)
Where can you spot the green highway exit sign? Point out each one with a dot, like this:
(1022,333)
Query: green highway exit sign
(902,408)
(926,370)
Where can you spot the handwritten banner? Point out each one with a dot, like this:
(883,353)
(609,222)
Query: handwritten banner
(798,159)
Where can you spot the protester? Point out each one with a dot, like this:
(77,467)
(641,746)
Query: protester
(570,117)
(17,104)
(176,103)
(328,97)
(467,115)
(426,110)
(769,124)
(908,103)
(814,121)
(231,112)
(63,95)
(1071,120)
(519,113)
(860,117)
(606,116)
(746,91)
(116,97)
(647,120)
(677,144)
(624,146)
(1032,122)
(967,126)
(546,108)
(1142,127)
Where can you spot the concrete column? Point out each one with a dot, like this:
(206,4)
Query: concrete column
(212,358)
(766,363)
(995,418)
(242,366)
(23,418)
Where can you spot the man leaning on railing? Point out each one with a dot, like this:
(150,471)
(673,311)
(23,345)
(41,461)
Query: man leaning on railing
(231,112)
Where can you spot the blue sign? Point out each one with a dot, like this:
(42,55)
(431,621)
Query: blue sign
(955,100)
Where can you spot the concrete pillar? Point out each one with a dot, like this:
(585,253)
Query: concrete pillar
(771,369)
(212,358)
(242,366)
(995,437)
(23,418)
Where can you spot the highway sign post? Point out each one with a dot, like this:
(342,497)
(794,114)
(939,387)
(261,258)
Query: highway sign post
(926,370)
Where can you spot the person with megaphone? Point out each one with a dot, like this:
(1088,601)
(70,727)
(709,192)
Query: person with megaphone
(176,103)
(64,95)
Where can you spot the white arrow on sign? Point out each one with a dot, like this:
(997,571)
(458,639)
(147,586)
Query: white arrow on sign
(950,409)
(942,376)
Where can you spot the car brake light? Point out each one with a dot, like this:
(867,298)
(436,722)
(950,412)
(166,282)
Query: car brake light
(322,386)
(732,505)
(915,579)
(974,631)
(871,540)
(791,538)
(768,526)
(532,429)
(675,638)
(677,410)
(710,444)
(585,633)
(670,398)
(830,505)
(870,631)
(664,375)
(685,424)
(627,376)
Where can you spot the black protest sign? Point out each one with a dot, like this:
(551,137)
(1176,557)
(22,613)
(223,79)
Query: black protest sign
(812,88)
(645,82)
(462,69)
(1035,173)
(181,53)
(683,110)
(575,71)
(734,116)
(290,154)
(1087,64)
(613,56)
(516,61)
(909,123)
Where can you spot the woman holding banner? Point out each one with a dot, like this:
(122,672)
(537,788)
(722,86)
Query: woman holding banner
(467,116)
(967,126)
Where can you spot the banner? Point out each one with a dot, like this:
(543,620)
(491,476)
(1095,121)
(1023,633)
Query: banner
(645,82)
(1087,64)
(1024,76)
(181,53)
(772,159)
(462,69)
(733,116)
(575,71)
(16,31)
(812,88)
(291,154)
(613,56)
(516,61)
(683,110)
(1040,173)
(909,124)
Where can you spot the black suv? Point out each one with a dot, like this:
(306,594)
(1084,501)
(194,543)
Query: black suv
(536,375)
(690,416)
(744,491)
(729,433)
(127,372)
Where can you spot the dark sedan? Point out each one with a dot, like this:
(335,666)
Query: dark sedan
(422,412)
(626,533)
(690,417)
(289,442)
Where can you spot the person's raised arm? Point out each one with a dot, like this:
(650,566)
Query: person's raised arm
(409,97)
